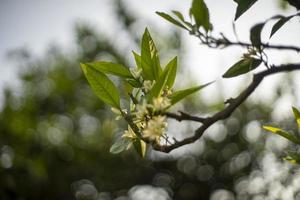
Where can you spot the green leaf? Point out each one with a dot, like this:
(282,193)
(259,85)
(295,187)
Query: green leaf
(166,79)
(172,66)
(138,60)
(241,67)
(134,83)
(292,157)
(171,19)
(200,13)
(120,145)
(180,17)
(243,6)
(102,86)
(149,58)
(279,24)
(297,115)
(140,146)
(110,68)
(255,34)
(282,133)
(181,94)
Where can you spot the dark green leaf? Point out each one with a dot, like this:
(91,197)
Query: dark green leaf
(149,58)
(110,68)
(201,14)
(181,94)
(297,115)
(279,24)
(243,66)
(102,86)
(255,34)
(134,83)
(167,77)
(120,145)
(243,6)
(295,3)
(171,19)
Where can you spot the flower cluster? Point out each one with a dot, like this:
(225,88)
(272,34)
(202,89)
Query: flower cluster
(147,115)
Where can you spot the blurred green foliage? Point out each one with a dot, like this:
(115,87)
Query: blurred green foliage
(55,134)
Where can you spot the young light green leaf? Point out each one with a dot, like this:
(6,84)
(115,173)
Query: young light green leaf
(102,86)
(297,115)
(241,67)
(166,79)
(243,6)
(110,68)
(279,24)
(181,94)
(282,133)
(140,146)
(149,58)
(138,60)
(171,19)
(255,33)
(200,13)
(120,145)
(173,71)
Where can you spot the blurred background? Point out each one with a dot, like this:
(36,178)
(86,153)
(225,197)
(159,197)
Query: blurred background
(55,134)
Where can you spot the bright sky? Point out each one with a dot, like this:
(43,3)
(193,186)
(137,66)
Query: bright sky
(36,24)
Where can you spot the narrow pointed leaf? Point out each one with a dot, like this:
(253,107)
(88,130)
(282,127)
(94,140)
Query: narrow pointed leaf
(200,13)
(140,147)
(102,86)
(167,77)
(149,58)
(243,6)
(282,133)
(279,24)
(134,83)
(120,145)
(241,67)
(171,19)
(173,71)
(110,68)
(180,17)
(297,115)
(181,94)
(255,34)
(138,60)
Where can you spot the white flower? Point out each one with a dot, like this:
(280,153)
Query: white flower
(141,111)
(161,103)
(155,128)
(147,85)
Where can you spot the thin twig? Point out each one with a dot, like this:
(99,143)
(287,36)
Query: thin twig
(227,111)
(184,116)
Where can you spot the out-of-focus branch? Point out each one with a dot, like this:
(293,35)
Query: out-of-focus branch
(227,111)
(214,42)
(184,116)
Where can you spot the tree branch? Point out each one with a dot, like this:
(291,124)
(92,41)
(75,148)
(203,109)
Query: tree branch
(184,116)
(227,111)
(264,45)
